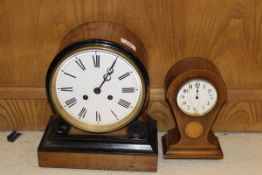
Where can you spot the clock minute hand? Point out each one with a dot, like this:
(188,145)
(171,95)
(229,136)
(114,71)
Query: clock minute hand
(112,66)
(106,77)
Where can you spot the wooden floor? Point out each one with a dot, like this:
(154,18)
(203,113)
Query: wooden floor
(243,155)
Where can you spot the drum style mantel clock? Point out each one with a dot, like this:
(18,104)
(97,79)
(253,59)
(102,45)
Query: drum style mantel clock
(98,88)
(195,92)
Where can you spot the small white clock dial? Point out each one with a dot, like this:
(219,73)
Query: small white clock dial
(197,97)
(98,89)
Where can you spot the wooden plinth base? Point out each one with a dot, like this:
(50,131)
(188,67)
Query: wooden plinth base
(98,152)
(97,161)
(172,151)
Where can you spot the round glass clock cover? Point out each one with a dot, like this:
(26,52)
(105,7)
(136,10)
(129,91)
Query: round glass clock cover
(197,97)
(97,89)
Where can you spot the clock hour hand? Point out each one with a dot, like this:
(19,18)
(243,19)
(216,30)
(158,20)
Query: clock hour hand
(106,77)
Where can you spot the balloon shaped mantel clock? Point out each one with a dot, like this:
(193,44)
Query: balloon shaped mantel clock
(195,92)
(98,88)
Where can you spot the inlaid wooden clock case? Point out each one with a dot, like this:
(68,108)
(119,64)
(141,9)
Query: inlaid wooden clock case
(133,147)
(178,143)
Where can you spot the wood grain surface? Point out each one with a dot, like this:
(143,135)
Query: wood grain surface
(24,114)
(28,112)
(85,160)
(228,32)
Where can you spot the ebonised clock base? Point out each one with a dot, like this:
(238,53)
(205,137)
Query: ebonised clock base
(60,148)
(189,151)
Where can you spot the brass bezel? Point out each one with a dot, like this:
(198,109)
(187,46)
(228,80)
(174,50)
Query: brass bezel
(197,115)
(90,127)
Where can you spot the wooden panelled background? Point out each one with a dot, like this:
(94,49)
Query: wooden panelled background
(228,32)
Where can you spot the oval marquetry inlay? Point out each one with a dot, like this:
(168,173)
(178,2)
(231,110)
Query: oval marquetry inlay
(194,129)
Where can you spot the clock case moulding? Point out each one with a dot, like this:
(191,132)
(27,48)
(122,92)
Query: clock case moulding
(133,147)
(177,143)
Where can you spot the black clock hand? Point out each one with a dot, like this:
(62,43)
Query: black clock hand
(197,92)
(106,77)
(197,96)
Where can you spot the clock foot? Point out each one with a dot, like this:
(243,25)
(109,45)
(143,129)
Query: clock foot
(173,150)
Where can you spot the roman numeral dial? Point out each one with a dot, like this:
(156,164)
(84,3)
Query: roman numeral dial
(128,90)
(124,103)
(71,102)
(98,88)
(96,60)
(80,64)
(125,75)
(98,117)
(67,89)
(82,113)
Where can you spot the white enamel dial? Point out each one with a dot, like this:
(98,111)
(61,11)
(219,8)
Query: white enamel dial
(197,97)
(97,90)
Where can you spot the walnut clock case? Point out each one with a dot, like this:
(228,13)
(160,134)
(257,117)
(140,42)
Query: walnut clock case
(98,88)
(196,92)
